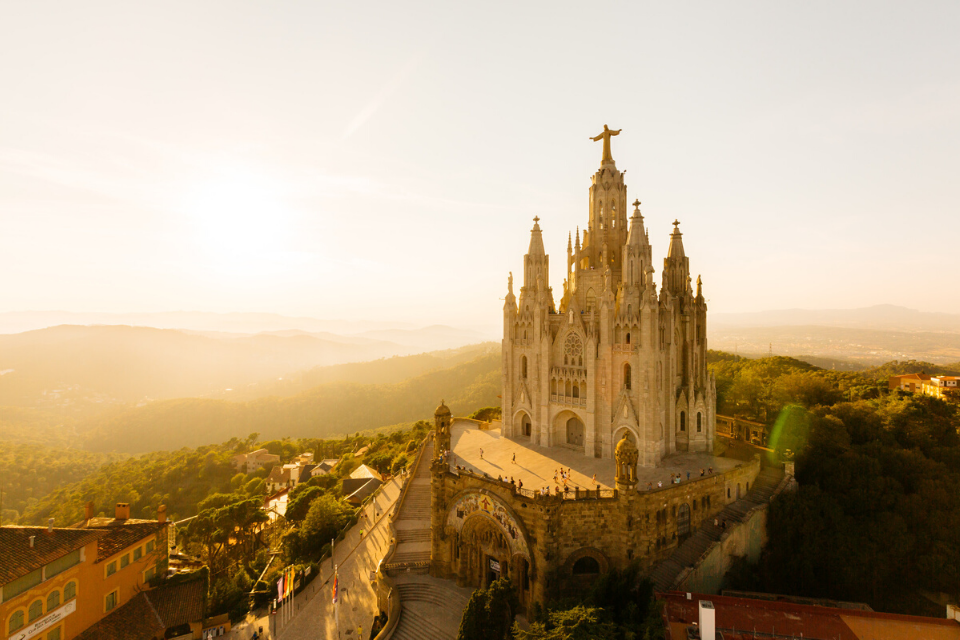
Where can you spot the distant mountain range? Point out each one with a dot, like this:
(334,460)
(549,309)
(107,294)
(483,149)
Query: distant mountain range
(884,317)
(248,324)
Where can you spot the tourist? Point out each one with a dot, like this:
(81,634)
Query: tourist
(710,470)
(688,475)
(499,478)
(649,486)
(659,484)
(512,481)
(716,522)
(701,472)
(594,478)
(519,485)
(514,459)
(481,453)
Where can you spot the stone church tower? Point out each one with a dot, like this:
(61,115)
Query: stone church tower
(615,356)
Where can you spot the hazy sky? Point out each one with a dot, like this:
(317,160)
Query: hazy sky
(341,160)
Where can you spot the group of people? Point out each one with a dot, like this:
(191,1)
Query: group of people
(675,478)
(518,484)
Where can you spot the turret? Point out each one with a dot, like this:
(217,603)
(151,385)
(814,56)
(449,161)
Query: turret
(676,266)
(636,252)
(536,264)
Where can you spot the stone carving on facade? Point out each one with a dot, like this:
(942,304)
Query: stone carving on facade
(626,456)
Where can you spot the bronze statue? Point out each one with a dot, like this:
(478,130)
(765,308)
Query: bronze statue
(607,132)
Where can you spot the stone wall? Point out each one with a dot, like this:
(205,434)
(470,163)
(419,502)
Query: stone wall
(538,540)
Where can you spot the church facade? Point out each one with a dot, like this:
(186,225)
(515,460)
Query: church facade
(614,356)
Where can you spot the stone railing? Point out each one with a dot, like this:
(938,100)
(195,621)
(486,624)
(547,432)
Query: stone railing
(385,586)
(534,494)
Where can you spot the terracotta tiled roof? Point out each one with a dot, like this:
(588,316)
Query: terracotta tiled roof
(149,614)
(135,620)
(742,618)
(18,559)
(120,534)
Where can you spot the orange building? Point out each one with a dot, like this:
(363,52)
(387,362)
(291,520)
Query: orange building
(56,582)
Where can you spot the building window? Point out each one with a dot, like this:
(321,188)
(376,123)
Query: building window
(36,610)
(150,546)
(586,566)
(137,553)
(683,421)
(627,377)
(699,422)
(62,563)
(149,574)
(53,600)
(110,602)
(16,621)
(55,634)
(523,367)
(112,568)
(70,591)
(124,560)
(628,338)
(728,492)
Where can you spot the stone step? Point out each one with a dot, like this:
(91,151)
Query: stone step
(413,535)
(415,626)
(409,556)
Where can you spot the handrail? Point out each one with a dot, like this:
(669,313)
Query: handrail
(384,581)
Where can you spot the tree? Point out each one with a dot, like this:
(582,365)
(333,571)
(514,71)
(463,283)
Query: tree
(324,520)
(578,623)
(489,613)
(299,506)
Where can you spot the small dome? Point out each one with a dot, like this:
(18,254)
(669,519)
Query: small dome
(442,410)
(625,444)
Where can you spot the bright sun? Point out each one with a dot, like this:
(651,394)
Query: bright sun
(242,224)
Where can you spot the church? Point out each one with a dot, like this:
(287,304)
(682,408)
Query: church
(614,356)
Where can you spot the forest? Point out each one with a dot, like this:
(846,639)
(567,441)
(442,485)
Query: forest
(875,517)
(327,410)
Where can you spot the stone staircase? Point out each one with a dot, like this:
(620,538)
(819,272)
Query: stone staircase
(413,522)
(664,575)
(432,608)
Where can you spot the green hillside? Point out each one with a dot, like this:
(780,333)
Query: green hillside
(327,410)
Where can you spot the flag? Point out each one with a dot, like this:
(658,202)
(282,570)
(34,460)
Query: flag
(291,576)
(280,588)
(336,587)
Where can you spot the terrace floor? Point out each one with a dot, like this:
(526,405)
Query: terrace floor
(536,465)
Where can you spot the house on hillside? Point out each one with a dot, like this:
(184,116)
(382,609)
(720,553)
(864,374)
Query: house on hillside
(250,462)
(943,387)
(361,483)
(279,478)
(912,382)
(324,467)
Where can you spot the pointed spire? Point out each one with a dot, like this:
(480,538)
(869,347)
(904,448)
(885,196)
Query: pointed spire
(699,287)
(676,244)
(536,239)
(636,234)
(569,242)
(510,283)
(577,245)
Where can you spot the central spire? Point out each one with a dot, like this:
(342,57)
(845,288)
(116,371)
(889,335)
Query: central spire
(605,135)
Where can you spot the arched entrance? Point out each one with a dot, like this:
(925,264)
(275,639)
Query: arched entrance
(523,425)
(489,542)
(683,521)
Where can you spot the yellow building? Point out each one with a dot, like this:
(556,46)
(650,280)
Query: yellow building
(56,582)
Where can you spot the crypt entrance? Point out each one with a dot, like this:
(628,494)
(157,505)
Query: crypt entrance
(488,542)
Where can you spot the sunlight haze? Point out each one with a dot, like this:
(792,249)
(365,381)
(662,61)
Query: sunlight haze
(345,160)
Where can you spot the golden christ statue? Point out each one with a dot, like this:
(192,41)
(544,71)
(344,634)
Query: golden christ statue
(607,132)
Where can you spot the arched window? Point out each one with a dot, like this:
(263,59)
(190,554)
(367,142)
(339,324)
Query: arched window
(569,389)
(586,566)
(16,621)
(53,600)
(628,338)
(70,591)
(523,367)
(728,493)
(36,610)
(580,361)
(699,422)
(627,373)
(683,421)
(576,390)
(553,386)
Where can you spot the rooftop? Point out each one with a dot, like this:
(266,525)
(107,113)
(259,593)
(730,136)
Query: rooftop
(743,618)
(120,534)
(18,558)
(150,613)
(536,465)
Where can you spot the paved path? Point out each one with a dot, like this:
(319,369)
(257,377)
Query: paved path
(536,465)
(314,617)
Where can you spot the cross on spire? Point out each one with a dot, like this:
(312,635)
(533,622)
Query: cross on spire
(636,204)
